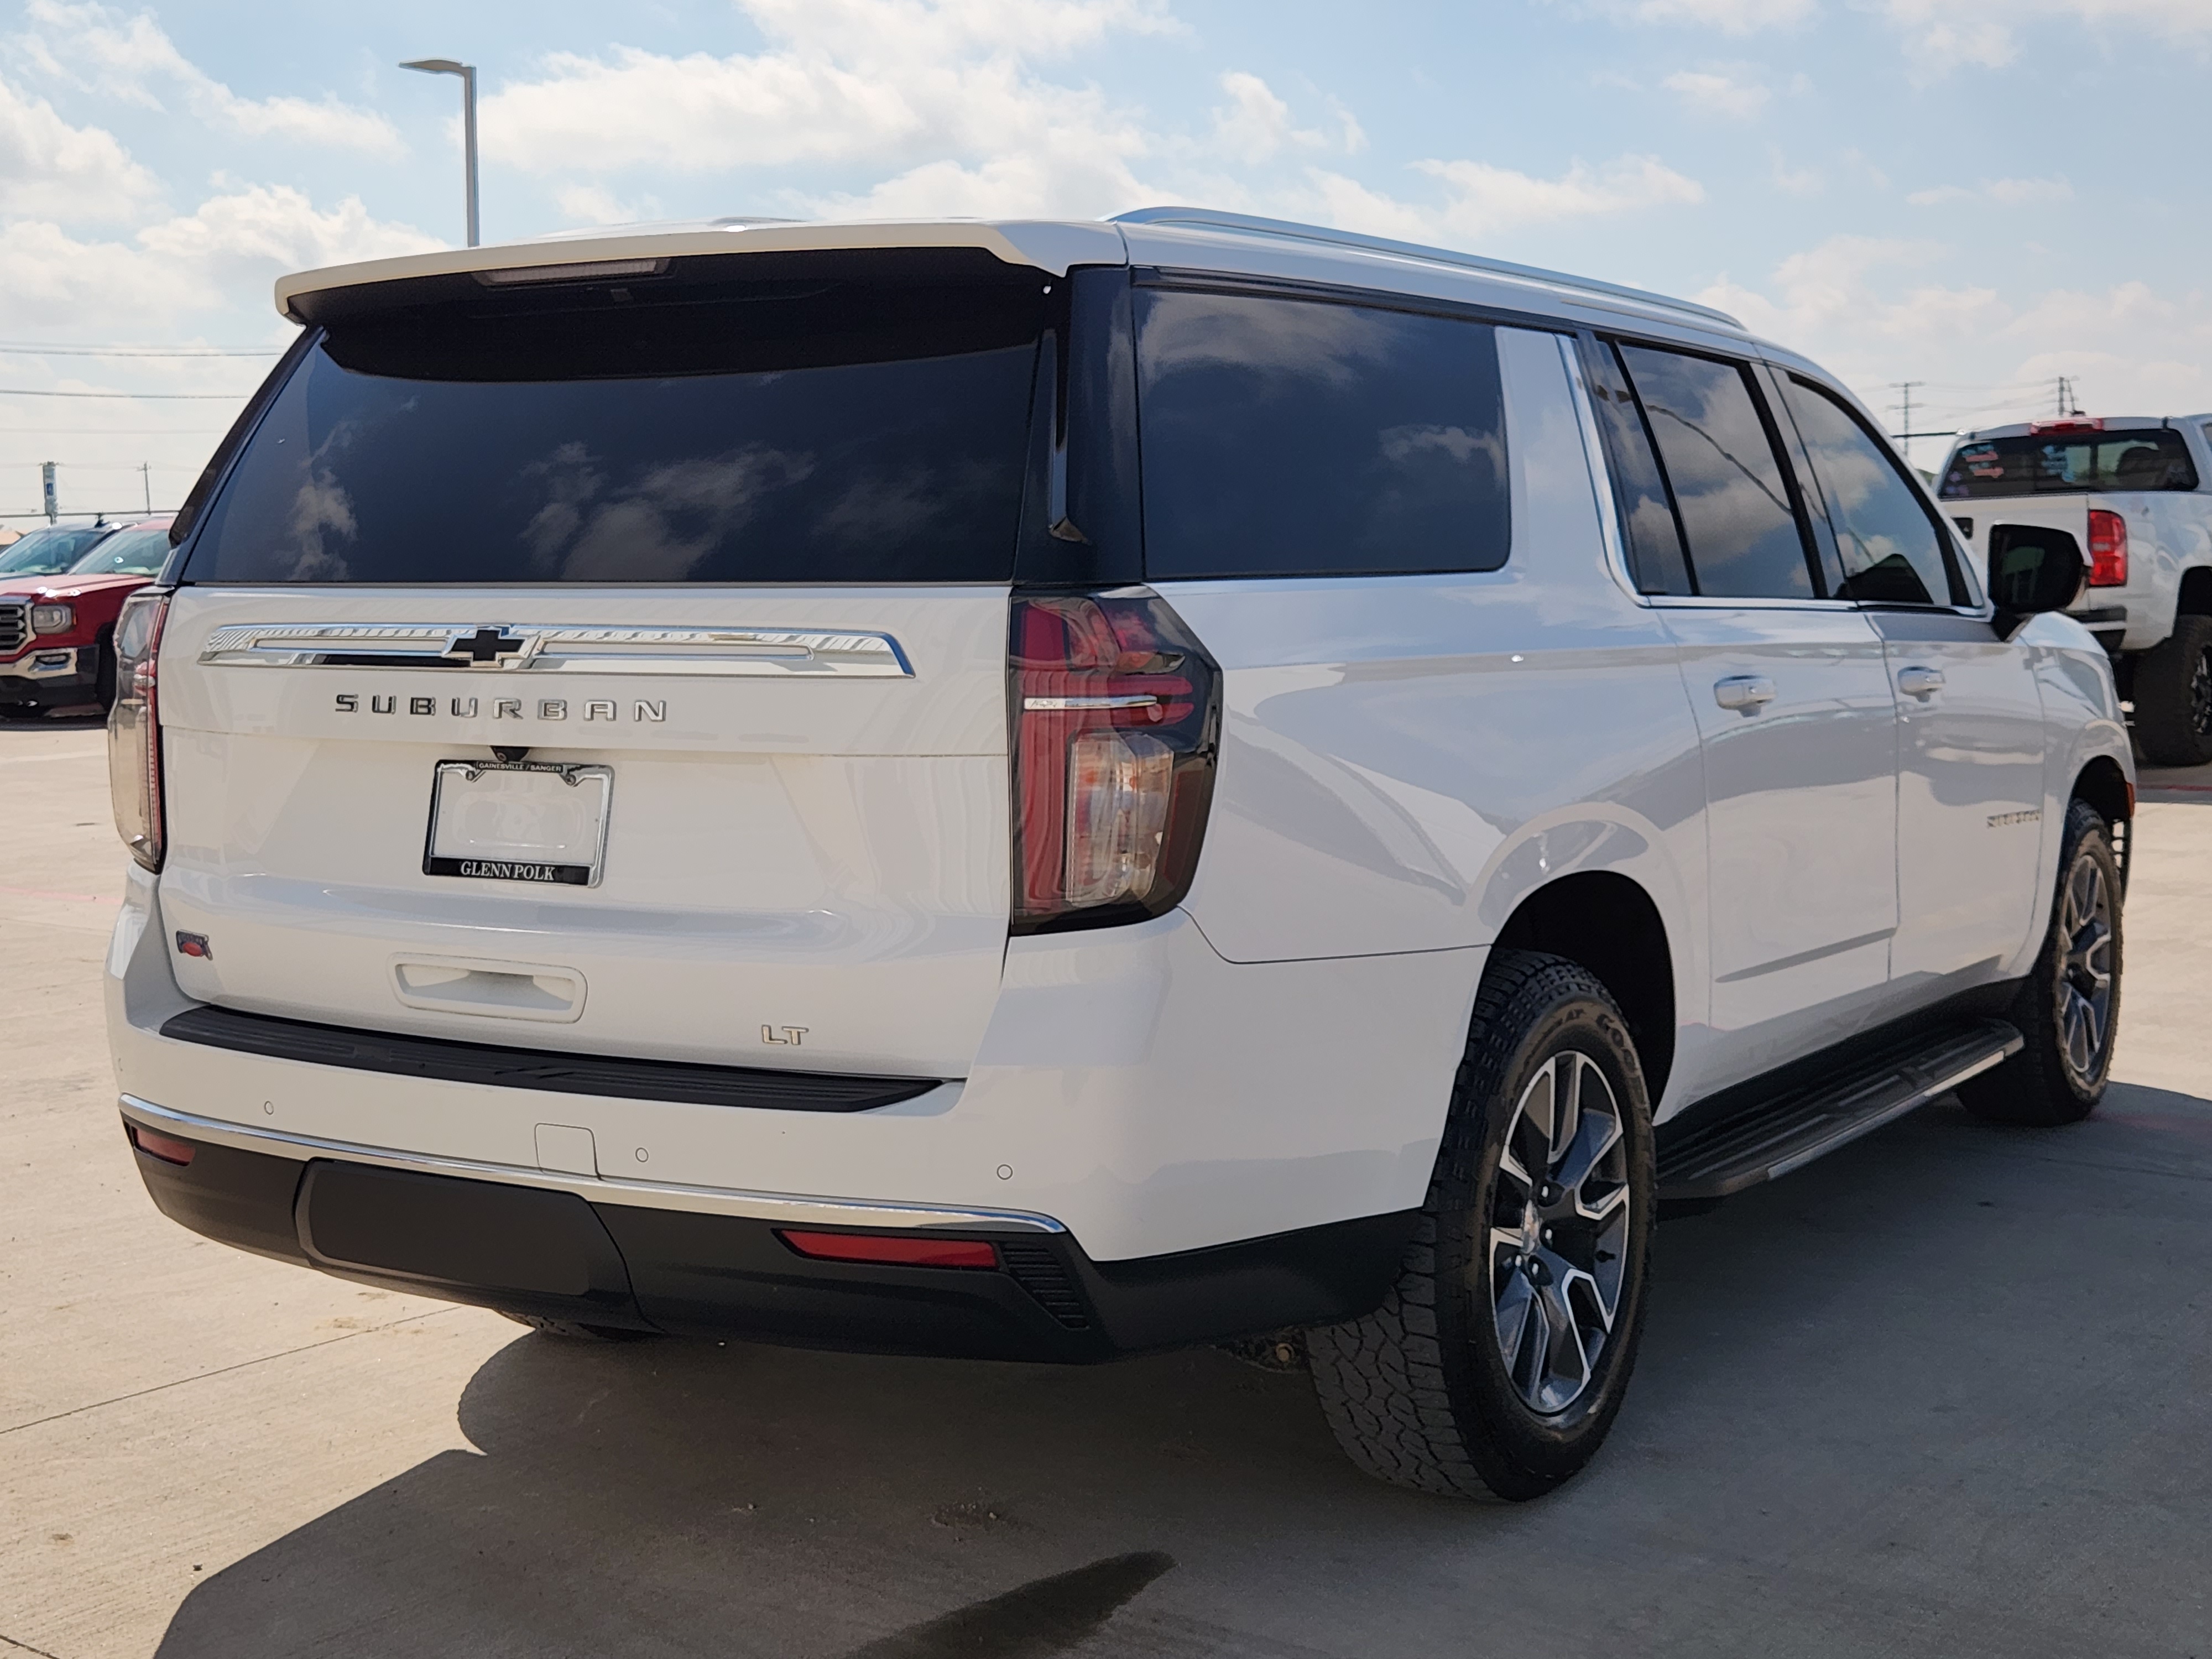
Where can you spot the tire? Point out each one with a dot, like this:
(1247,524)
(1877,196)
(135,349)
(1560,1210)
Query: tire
(1422,1392)
(575,1332)
(2069,1011)
(103,683)
(2173,696)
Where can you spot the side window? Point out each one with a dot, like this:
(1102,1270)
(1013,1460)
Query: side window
(1744,539)
(1654,539)
(1891,551)
(1302,437)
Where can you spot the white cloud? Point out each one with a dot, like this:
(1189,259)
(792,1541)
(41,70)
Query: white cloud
(1793,181)
(592,204)
(2007,192)
(50,168)
(915,82)
(1256,123)
(129,58)
(1940,36)
(226,252)
(1719,93)
(1481,201)
(1729,16)
(1859,305)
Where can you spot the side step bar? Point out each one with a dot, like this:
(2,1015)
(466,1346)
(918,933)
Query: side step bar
(1792,1128)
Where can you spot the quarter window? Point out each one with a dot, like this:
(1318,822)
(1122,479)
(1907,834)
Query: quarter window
(1890,548)
(1728,485)
(1655,540)
(1304,437)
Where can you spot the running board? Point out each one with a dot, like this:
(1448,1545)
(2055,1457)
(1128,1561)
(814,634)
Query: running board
(1791,1129)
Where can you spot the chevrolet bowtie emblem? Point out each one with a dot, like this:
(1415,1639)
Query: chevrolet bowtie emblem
(487,647)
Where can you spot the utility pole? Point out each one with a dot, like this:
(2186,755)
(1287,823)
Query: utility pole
(468,73)
(46,477)
(2069,399)
(146,477)
(1904,435)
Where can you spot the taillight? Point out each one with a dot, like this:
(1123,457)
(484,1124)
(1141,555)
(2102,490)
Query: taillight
(1116,719)
(134,728)
(2108,549)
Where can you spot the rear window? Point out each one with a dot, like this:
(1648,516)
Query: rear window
(1307,438)
(832,431)
(2073,464)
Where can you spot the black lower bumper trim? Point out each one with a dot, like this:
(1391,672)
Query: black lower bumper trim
(531,1250)
(490,1063)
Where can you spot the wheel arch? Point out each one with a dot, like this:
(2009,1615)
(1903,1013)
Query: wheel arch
(2102,783)
(2196,596)
(1610,925)
(2104,786)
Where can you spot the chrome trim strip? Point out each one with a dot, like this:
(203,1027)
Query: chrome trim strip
(791,1208)
(760,652)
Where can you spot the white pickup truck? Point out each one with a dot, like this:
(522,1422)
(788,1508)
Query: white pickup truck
(2135,491)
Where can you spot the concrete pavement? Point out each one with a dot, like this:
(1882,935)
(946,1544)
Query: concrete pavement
(1943,1393)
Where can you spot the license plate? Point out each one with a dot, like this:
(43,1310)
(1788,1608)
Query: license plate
(525,822)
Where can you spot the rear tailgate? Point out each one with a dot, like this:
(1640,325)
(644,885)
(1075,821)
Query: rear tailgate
(805,849)
(685,587)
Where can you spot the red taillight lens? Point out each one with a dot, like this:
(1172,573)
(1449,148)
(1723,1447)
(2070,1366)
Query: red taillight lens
(1116,718)
(2108,549)
(154,1143)
(906,1252)
(134,728)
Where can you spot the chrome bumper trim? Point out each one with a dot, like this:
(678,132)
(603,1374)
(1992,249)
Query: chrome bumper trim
(790,1208)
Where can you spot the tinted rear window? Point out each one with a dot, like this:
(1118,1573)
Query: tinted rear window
(788,432)
(1301,437)
(2072,463)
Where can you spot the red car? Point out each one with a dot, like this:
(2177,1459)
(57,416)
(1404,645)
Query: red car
(58,625)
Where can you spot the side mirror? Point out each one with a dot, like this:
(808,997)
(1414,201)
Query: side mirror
(2033,570)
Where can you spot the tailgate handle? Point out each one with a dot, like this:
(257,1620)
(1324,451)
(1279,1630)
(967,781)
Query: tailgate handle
(473,985)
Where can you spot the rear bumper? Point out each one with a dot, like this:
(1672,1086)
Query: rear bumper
(572,1253)
(1149,1098)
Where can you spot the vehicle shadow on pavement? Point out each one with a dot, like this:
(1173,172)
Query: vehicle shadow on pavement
(1895,1404)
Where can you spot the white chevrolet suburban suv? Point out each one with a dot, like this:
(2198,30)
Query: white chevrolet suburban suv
(1053,790)
(2135,491)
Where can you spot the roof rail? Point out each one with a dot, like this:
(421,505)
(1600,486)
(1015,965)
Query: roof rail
(1212,219)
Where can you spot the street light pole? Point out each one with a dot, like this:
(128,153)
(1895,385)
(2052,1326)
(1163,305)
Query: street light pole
(468,73)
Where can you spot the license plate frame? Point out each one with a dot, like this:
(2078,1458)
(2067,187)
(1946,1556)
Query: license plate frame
(570,845)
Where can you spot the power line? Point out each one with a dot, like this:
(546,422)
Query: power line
(199,397)
(122,514)
(20,350)
(114,431)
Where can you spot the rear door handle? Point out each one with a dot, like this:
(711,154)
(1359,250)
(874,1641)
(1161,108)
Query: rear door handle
(1745,693)
(1922,682)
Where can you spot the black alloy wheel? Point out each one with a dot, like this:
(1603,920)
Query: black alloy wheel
(2068,1008)
(1497,1363)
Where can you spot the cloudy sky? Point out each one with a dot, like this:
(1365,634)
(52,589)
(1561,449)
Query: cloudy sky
(1979,198)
